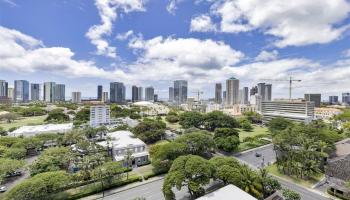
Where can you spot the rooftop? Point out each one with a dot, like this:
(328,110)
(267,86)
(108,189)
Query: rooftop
(47,128)
(123,139)
(228,192)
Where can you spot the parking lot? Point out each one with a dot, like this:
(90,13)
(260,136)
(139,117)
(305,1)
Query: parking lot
(258,157)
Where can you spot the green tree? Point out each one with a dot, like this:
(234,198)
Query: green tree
(82,116)
(228,144)
(3,132)
(39,186)
(15,153)
(250,182)
(52,159)
(246,125)
(172,118)
(279,124)
(269,185)
(218,119)
(150,131)
(253,117)
(163,155)
(227,169)
(225,132)
(290,195)
(191,119)
(198,143)
(57,116)
(191,171)
(8,166)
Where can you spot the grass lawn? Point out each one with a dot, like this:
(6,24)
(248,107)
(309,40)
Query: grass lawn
(307,183)
(24,121)
(258,130)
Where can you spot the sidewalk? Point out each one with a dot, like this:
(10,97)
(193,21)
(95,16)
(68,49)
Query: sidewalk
(123,188)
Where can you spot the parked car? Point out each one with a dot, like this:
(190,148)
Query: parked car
(257,154)
(15,173)
(3,189)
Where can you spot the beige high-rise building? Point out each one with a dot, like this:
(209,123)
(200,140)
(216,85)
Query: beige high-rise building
(218,93)
(76,97)
(232,91)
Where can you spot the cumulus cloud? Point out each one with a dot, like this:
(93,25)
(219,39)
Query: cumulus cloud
(125,36)
(107,10)
(267,55)
(202,23)
(296,23)
(201,62)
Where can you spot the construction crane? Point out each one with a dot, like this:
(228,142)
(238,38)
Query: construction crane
(290,80)
(199,93)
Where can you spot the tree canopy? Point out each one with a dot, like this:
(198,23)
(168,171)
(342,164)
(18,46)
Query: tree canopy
(150,131)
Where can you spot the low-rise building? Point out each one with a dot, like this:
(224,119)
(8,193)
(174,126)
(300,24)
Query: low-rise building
(295,110)
(228,192)
(326,113)
(123,142)
(337,170)
(27,131)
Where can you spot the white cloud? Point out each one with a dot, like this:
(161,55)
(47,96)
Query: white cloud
(267,55)
(202,23)
(346,53)
(125,36)
(10,2)
(201,62)
(295,23)
(108,12)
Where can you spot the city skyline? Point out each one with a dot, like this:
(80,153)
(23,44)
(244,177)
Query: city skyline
(125,49)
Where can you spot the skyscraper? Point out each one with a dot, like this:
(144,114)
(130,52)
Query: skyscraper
(149,94)
(34,92)
(261,90)
(134,93)
(180,91)
(346,98)
(316,98)
(268,92)
(60,92)
(232,91)
(10,93)
(99,92)
(3,89)
(333,100)
(140,93)
(49,92)
(117,92)
(218,93)
(171,94)
(21,92)
(224,96)
(76,97)
(245,95)
(105,97)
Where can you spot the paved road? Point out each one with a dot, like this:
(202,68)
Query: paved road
(268,156)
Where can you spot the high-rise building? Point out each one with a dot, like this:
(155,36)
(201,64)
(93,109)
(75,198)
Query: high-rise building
(253,91)
(333,100)
(60,92)
(3,89)
(346,98)
(99,92)
(180,91)
(261,90)
(134,93)
(155,97)
(218,93)
(224,96)
(21,93)
(316,98)
(76,97)
(268,92)
(105,97)
(49,92)
(245,95)
(232,91)
(171,94)
(140,93)
(10,93)
(117,92)
(100,115)
(35,92)
(149,94)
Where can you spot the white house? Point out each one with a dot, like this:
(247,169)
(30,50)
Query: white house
(39,129)
(124,141)
(228,192)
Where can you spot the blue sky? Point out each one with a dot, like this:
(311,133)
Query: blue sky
(152,42)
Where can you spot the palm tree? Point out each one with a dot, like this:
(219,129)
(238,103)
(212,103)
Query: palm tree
(128,158)
(250,182)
